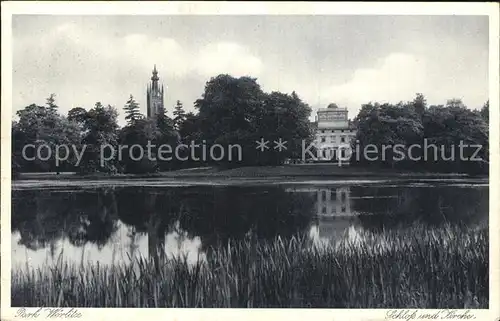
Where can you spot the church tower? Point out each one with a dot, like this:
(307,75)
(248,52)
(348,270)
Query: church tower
(155,104)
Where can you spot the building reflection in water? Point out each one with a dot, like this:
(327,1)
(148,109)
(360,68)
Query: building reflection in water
(331,202)
(334,219)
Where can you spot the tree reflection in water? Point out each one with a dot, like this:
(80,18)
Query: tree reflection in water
(193,220)
(43,217)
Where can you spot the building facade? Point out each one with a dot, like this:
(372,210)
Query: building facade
(334,134)
(155,96)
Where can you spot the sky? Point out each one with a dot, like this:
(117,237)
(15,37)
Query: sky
(347,59)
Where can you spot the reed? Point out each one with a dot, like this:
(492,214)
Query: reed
(416,267)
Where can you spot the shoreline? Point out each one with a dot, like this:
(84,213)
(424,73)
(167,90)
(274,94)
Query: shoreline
(244,176)
(268,172)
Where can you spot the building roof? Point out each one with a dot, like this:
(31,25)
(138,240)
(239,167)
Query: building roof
(339,109)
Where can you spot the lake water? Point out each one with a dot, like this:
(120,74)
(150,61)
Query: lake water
(113,223)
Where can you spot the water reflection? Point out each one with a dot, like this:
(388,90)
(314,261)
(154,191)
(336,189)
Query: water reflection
(333,217)
(330,201)
(123,246)
(111,225)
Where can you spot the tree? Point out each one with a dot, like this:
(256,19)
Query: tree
(387,125)
(78,115)
(439,131)
(132,112)
(447,127)
(285,117)
(420,104)
(39,125)
(101,129)
(228,115)
(455,103)
(485,112)
(51,103)
(179,114)
(155,131)
(236,112)
(139,133)
(189,129)
(17,140)
(167,135)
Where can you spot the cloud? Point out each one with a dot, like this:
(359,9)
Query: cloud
(82,67)
(106,60)
(226,57)
(398,77)
(141,50)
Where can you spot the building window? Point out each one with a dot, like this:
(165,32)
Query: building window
(322,131)
(341,130)
(323,139)
(324,196)
(324,210)
(342,139)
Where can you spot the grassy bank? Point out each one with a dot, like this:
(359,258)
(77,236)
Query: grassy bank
(285,171)
(412,268)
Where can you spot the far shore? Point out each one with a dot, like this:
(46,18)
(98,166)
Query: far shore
(293,172)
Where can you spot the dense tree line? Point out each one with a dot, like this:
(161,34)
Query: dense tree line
(436,132)
(236,112)
(231,111)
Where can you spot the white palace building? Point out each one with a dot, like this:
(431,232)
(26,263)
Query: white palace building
(334,134)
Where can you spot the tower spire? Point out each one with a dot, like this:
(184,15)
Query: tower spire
(155,74)
(154,95)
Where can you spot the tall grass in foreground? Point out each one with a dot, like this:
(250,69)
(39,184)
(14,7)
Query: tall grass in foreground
(413,268)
